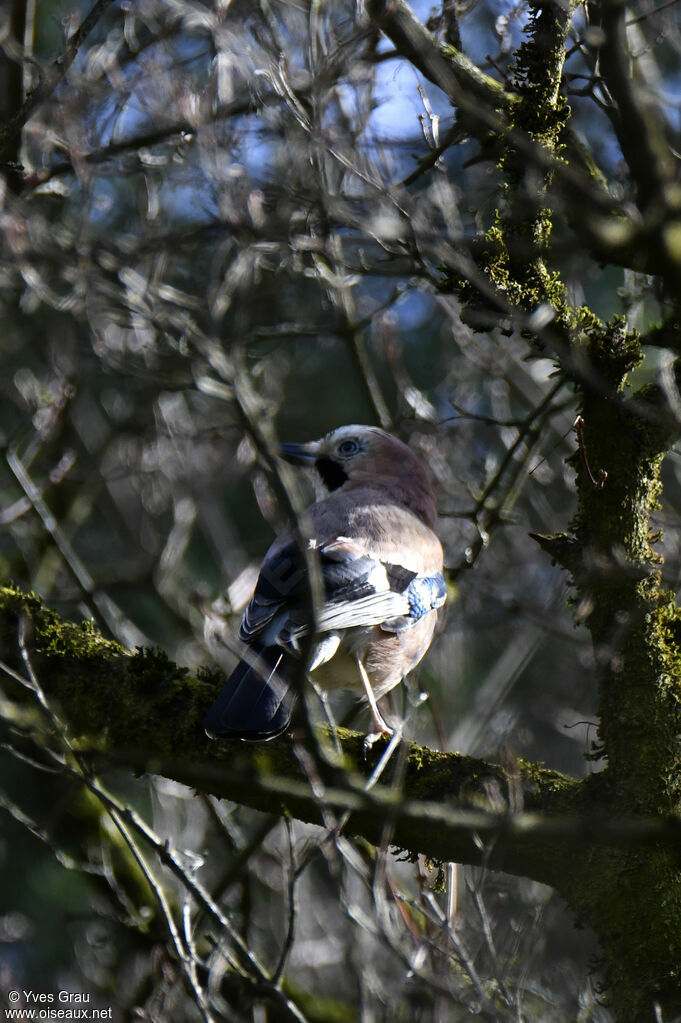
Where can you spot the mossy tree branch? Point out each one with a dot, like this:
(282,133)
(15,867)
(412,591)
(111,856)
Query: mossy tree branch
(141,709)
(635,626)
(159,707)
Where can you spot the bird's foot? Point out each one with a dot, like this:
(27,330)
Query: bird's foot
(380,729)
(370,740)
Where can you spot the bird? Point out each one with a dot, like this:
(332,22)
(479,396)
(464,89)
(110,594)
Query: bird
(381,568)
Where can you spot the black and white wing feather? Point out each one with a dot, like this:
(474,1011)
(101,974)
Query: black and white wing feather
(359,592)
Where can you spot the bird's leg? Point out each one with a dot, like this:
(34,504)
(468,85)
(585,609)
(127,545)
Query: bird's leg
(379,725)
(378,722)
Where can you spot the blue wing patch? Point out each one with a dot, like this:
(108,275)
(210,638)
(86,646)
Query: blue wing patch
(426,593)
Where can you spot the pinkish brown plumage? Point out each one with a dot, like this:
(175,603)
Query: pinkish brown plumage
(381,565)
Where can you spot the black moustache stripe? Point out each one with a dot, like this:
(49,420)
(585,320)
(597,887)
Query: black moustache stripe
(333,475)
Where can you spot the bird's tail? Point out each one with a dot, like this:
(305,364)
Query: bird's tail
(256,700)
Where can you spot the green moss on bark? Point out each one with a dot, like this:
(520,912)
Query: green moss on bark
(632,898)
(523,226)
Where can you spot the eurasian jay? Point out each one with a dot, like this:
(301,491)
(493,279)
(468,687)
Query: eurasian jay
(381,569)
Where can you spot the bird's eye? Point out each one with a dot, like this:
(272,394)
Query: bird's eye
(348,447)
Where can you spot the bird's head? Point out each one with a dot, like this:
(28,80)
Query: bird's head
(354,456)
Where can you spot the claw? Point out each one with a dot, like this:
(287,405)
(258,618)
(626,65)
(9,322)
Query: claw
(369,742)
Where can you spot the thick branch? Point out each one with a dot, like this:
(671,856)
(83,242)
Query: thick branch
(147,711)
(446,67)
(635,629)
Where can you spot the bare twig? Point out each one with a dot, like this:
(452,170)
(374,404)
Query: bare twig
(115,619)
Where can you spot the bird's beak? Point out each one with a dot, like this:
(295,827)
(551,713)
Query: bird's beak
(298,454)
